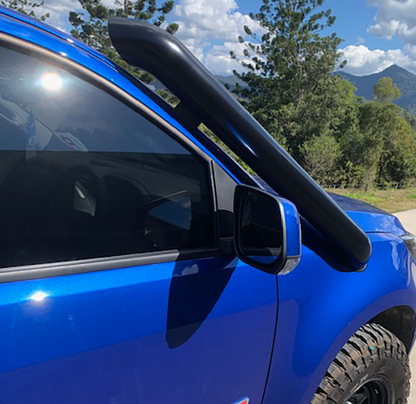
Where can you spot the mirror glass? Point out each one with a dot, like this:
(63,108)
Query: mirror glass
(261,227)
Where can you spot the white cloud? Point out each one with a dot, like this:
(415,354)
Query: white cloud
(214,19)
(59,11)
(211,29)
(395,18)
(363,61)
(218,59)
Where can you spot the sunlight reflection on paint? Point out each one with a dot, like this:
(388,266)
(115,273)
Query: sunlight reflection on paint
(38,296)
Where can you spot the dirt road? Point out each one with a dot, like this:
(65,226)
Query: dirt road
(408,220)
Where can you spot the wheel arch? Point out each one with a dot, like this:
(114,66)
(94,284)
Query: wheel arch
(400,320)
(321,308)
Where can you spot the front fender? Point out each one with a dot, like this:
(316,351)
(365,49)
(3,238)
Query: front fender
(321,308)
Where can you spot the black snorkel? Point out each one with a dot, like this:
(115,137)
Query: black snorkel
(151,48)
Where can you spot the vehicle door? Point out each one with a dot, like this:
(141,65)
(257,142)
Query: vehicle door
(113,286)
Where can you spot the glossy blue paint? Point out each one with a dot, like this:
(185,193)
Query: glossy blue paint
(354,205)
(369,218)
(51,30)
(179,331)
(320,308)
(190,332)
(293,230)
(378,223)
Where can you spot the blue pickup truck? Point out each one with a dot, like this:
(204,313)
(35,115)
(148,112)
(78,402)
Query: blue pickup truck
(140,264)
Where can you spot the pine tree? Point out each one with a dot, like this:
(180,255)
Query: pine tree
(90,25)
(288,75)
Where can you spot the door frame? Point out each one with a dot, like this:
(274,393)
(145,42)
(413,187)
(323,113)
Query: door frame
(39,271)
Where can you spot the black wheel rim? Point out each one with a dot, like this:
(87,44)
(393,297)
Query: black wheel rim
(372,392)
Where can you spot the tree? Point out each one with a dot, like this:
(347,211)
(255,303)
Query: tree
(385,91)
(27,7)
(90,25)
(397,164)
(290,87)
(385,147)
(321,156)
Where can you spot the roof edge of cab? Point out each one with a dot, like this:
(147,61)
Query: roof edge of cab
(153,49)
(23,18)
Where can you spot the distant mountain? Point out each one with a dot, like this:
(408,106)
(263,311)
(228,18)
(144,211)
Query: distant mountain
(405,81)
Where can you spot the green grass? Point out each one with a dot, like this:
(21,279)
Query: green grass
(390,200)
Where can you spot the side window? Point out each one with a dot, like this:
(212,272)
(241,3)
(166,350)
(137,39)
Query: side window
(83,176)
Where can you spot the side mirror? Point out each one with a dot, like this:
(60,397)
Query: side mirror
(267,230)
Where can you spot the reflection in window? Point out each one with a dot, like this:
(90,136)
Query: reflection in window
(83,175)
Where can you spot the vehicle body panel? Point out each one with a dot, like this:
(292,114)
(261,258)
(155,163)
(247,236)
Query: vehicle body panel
(45,357)
(369,218)
(191,331)
(188,331)
(320,308)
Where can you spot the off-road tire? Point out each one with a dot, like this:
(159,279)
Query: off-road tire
(371,353)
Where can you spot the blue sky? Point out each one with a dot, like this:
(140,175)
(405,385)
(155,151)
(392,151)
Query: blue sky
(376,33)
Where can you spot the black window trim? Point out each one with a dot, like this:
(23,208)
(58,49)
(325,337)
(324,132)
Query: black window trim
(54,269)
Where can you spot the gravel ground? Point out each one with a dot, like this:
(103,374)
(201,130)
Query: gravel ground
(408,220)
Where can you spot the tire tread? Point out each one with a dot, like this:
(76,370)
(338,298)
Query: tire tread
(370,343)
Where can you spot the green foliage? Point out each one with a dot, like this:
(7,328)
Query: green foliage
(321,155)
(386,143)
(26,7)
(290,88)
(379,151)
(288,71)
(397,163)
(90,25)
(386,91)
(224,147)
(169,97)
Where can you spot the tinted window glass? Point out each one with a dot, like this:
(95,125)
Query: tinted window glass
(82,175)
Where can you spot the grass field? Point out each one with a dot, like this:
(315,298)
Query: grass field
(391,200)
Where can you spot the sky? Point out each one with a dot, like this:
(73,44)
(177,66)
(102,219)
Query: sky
(376,33)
